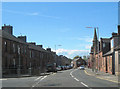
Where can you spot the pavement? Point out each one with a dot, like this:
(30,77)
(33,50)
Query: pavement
(24,75)
(102,75)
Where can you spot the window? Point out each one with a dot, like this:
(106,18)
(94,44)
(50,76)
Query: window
(22,49)
(25,50)
(5,46)
(14,48)
(30,54)
(103,45)
(18,49)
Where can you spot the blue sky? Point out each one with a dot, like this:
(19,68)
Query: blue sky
(61,23)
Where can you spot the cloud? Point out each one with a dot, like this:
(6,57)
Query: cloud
(30,14)
(88,46)
(35,13)
(86,39)
(71,53)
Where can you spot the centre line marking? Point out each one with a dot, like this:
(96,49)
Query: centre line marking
(38,78)
(39,81)
(76,79)
(73,76)
(84,84)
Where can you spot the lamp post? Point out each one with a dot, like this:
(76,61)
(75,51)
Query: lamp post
(55,52)
(97,43)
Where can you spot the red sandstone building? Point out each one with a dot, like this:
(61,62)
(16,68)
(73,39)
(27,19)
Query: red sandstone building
(109,54)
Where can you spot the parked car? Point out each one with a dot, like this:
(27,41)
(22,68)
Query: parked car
(82,67)
(59,68)
(51,68)
(63,67)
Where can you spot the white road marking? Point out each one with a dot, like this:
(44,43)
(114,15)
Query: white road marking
(73,76)
(38,78)
(84,84)
(3,79)
(76,79)
(39,81)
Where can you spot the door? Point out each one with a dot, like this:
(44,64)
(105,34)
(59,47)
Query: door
(106,65)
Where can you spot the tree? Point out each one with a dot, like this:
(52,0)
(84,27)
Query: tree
(76,57)
(85,57)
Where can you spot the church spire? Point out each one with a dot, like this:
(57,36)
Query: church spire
(95,35)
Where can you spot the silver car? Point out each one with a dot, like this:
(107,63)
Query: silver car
(82,67)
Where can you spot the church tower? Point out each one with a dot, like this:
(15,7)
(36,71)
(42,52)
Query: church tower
(95,42)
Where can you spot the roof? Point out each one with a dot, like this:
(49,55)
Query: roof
(35,47)
(108,53)
(6,35)
(117,48)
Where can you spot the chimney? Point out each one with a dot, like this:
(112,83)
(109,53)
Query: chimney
(8,29)
(49,49)
(23,38)
(40,46)
(114,34)
(118,29)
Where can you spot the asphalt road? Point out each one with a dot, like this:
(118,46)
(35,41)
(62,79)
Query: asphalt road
(68,78)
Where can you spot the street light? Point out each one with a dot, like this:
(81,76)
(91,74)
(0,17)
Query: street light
(98,43)
(56,54)
(57,45)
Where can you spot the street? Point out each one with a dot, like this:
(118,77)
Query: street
(66,78)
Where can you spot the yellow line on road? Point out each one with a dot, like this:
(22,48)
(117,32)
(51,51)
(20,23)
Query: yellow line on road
(101,77)
(87,73)
(108,80)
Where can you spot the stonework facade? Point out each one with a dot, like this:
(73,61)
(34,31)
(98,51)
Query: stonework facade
(21,57)
(107,57)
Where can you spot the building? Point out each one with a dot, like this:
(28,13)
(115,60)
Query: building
(78,62)
(111,61)
(20,57)
(105,57)
(117,60)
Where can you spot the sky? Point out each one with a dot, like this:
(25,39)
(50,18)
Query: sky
(61,23)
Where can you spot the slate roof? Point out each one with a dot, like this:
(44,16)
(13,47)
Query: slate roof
(108,53)
(117,48)
(8,36)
